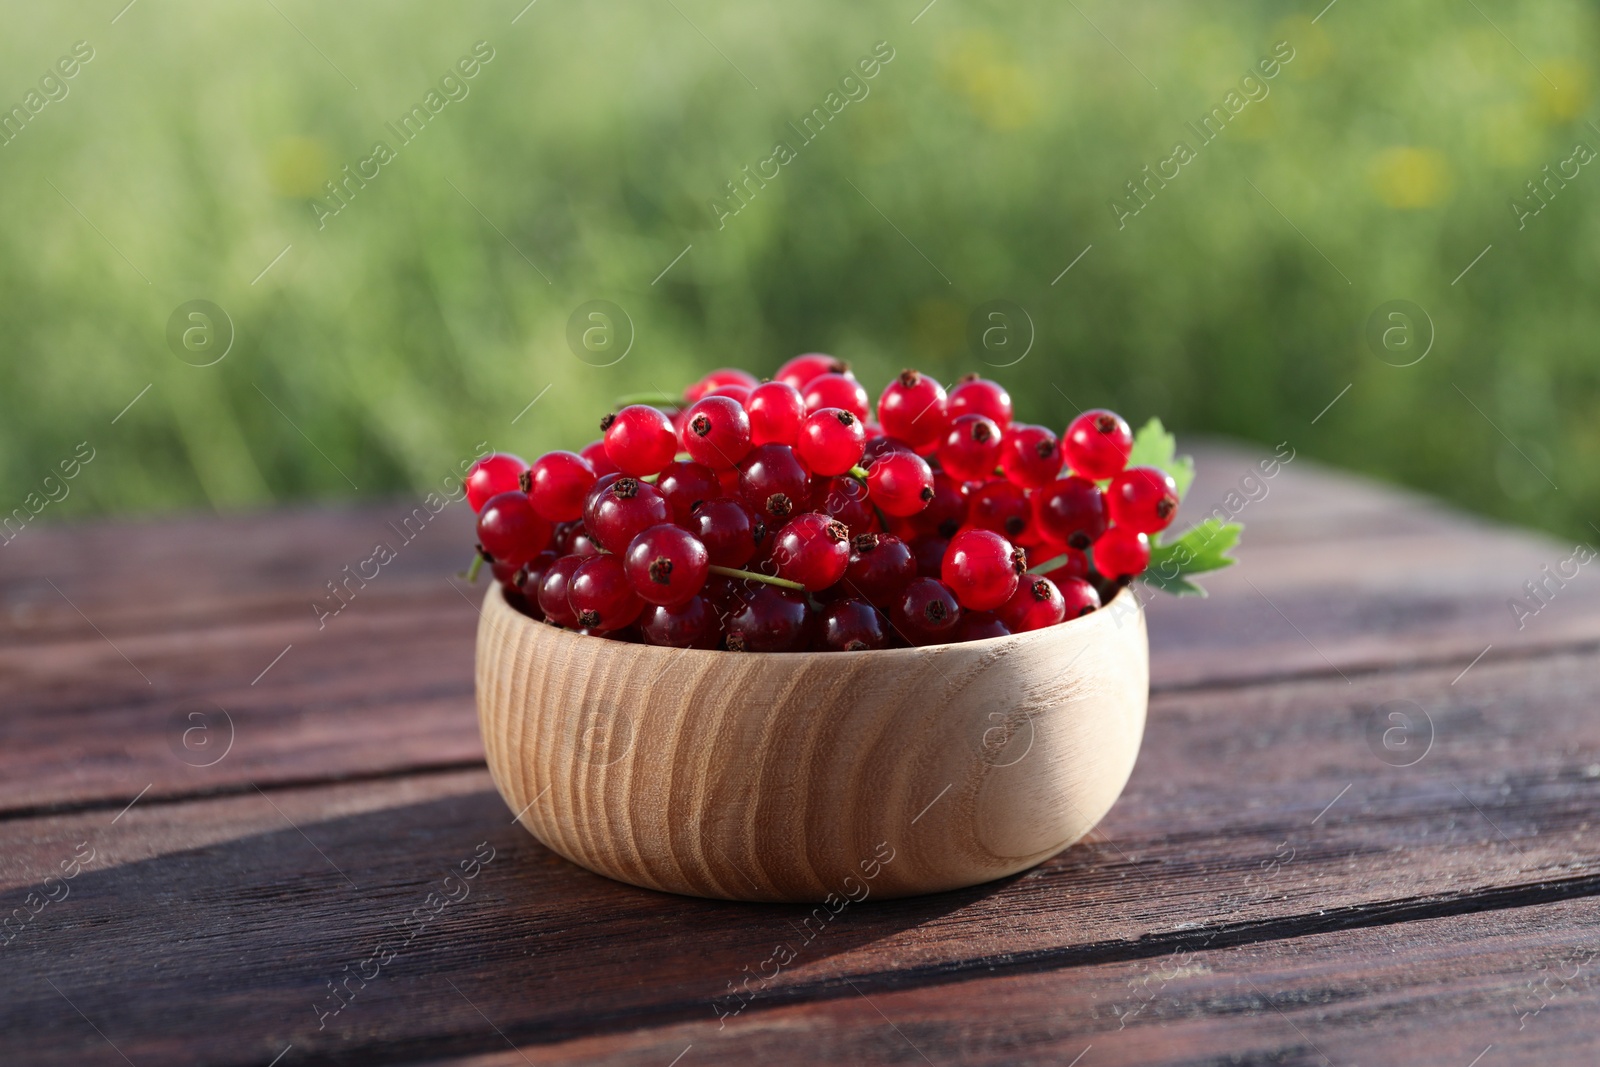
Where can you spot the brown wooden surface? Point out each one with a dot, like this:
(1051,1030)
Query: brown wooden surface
(1400,925)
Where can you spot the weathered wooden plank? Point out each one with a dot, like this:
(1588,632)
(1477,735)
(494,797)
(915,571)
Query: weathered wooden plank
(1256,814)
(1491,989)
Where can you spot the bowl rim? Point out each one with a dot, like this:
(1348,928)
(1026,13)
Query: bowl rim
(1125,601)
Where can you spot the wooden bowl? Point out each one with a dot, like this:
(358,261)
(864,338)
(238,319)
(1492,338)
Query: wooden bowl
(811,776)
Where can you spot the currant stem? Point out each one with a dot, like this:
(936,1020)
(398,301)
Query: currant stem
(1049,564)
(653,399)
(859,472)
(474,567)
(734,572)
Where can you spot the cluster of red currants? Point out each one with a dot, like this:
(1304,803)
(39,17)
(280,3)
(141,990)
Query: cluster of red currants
(778,516)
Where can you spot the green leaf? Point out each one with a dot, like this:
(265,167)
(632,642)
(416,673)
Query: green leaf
(1203,547)
(1153,446)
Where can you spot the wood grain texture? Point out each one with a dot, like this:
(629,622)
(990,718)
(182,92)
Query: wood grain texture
(806,776)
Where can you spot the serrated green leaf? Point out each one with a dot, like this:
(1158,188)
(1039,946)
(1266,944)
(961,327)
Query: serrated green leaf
(1203,547)
(1153,446)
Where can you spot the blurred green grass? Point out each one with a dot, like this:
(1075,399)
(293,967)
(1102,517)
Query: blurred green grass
(425,316)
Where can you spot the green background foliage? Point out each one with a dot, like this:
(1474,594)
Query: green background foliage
(425,315)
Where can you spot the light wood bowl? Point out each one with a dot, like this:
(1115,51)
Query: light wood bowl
(790,777)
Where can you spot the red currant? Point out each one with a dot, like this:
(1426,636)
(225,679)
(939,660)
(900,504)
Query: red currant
(594,453)
(557,483)
(768,619)
(852,626)
(601,596)
(666,564)
(799,371)
(623,510)
(831,441)
(687,485)
(971,449)
(639,440)
(973,395)
(1030,456)
(553,590)
(571,539)
(730,531)
(491,476)
(1143,499)
(773,481)
(881,566)
(980,626)
(912,408)
(530,576)
(900,483)
(505,573)
(946,512)
(776,410)
(1071,510)
(929,554)
(510,530)
(1097,444)
(1002,507)
(926,612)
(717,378)
(692,624)
(1075,564)
(1121,553)
(981,568)
(845,499)
(837,391)
(1077,595)
(716,432)
(1037,603)
(813,550)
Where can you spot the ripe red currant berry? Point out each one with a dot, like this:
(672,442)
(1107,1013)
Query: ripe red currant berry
(666,564)
(1121,553)
(594,454)
(973,395)
(971,449)
(623,510)
(768,619)
(692,624)
(900,483)
(845,499)
(982,569)
(852,626)
(530,577)
(1078,596)
(929,554)
(639,440)
(1030,456)
(946,512)
(1002,507)
(813,550)
(716,379)
(716,432)
(1074,564)
(1143,499)
(800,370)
(837,391)
(912,408)
(1071,511)
(728,529)
(926,612)
(505,574)
(687,485)
(557,484)
(881,566)
(1037,603)
(776,410)
(980,626)
(601,596)
(571,539)
(510,530)
(1097,444)
(553,590)
(773,481)
(831,441)
(491,476)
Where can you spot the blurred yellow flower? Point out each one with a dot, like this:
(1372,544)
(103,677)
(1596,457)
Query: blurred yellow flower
(1566,95)
(999,91)
(297,166)
(1408,178)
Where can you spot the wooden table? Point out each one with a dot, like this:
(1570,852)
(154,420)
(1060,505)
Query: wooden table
(1359,831)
